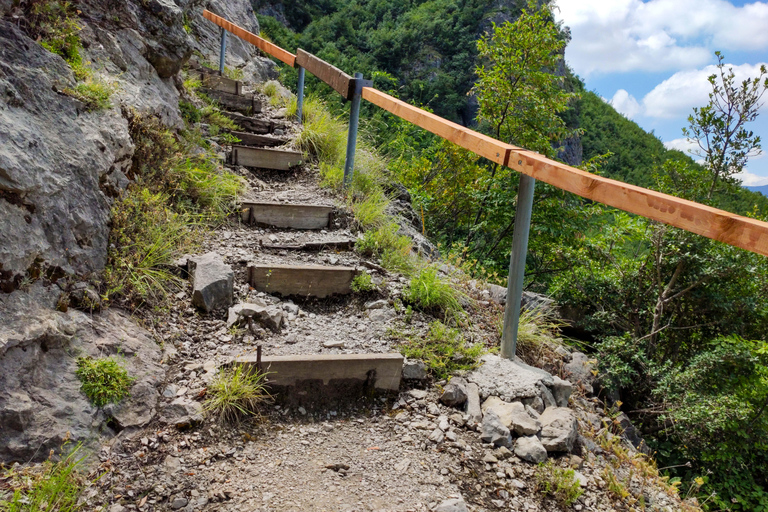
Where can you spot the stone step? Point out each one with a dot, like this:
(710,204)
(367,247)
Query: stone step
(252,139)
(278,159)
(294,216)
(301,280)
(254,125)
(318,379)
(247,104)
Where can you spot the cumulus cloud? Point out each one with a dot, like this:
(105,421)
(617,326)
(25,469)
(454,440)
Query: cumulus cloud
(677,95)
(657,35)
(752,180)
(625,103)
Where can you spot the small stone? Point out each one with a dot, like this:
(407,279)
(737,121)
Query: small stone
(452,505)
(502,453)
(490,459)
(455,392)
(547,396)
(179,502)
(418,394)
(170,391)
(437,436)
(333,344)
(558,429)
(561,390)
(583,481)
(457,419)
(530,449)
(414,370)
(377,304)
(116,507)
(474,412)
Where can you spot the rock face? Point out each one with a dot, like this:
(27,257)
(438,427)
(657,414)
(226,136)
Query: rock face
(213,282)
(558,429)
(40,397)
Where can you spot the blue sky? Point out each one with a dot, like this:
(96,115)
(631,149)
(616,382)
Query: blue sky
(651,58)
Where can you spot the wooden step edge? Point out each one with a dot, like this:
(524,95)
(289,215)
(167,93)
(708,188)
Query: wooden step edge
(265,158)
(302,280)
(331,371)
(346,244)
(286,215)
(256,140)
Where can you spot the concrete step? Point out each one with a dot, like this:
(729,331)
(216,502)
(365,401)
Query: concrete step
(252,139)
(278,159)
(293,216)
(329,378)
(254,125)
(302,280)
(247,104)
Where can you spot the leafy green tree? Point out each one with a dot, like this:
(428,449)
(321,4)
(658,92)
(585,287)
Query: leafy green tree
(719,127)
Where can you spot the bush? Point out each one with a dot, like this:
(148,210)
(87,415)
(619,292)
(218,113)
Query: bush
(443,350)
(48,487)
(431,294)
(236,392)
(559,483)
(103,381)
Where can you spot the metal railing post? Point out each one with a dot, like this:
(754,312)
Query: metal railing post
(354,120)
(517,266)
(300,95)
(223,50)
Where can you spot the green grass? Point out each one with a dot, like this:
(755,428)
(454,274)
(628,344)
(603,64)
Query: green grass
(234,393)
(323,136)
(558,483)
(48,487)
(103,381)
(432,294)
(95,93)
(444,350)
(363,283)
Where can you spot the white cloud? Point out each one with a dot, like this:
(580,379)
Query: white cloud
(625,103)
(677,95)
(657,35)
(752,180)
(683,145)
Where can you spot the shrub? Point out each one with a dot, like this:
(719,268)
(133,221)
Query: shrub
(363,283)
(443,349)
(48,487)
(103,381)
(236,392)
(559,483)
(431,294)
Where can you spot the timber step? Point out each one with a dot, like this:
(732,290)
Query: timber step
(212,80)
(294,216)
(315,381)
(278,159)
(340,244)
(302,280)
(252,139)
(247,104)
(253,125)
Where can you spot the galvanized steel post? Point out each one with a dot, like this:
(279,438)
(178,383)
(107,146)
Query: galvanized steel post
(517,266)
(223,50)
(354,120)
(300,95)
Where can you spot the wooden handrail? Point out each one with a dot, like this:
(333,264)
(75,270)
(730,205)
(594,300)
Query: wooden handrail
(726,227)
(261,44)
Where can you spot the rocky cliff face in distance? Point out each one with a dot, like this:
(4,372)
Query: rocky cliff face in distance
(61,165)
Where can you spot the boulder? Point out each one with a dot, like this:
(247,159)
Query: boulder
(494,431)
(561,391)
(182,413)
(513,416)
(414,370)
(558,429)
(507,379)
(213,282)
(530,449)
(455,392)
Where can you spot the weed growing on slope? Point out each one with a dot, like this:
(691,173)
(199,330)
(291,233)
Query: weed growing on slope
(443,349)
(94,93)
(559,483)
(363,283)
(322,136)
(430,293)
(48,487)
(104,381)
(236,392)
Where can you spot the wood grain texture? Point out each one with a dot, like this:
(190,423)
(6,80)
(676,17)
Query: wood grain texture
(304,280)
(385,369)
(262,158)
(247,104)
(221,83)
(726,227)
(262,44)
(252,139)
(333,76)
(478,143)
(293,216)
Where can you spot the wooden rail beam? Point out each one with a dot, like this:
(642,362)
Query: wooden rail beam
(333,76)
(726,227)
(261,44)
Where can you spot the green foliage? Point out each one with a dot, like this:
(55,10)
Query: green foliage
(719,127)
(518,93)
(48,487)
(322,135)
(236,392)
(559,483)
(363,283)
(443,349)
(189,112)
(94,92)
(104,381)
(54,22)
(432,294)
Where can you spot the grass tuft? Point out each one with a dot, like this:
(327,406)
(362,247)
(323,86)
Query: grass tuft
(104,381)
(95,93)
(428,292)
(559,483)
(363,283)
(236,392)
(444,350)
(322,136)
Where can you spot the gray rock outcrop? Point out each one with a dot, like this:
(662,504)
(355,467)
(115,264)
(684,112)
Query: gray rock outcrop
(581,369)
(558,429)
(213,282)
(507,379)
(494,431)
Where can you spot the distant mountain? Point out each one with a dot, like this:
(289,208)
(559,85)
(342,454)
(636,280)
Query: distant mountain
(763,189)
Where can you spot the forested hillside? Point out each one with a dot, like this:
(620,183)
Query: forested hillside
(676,321)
